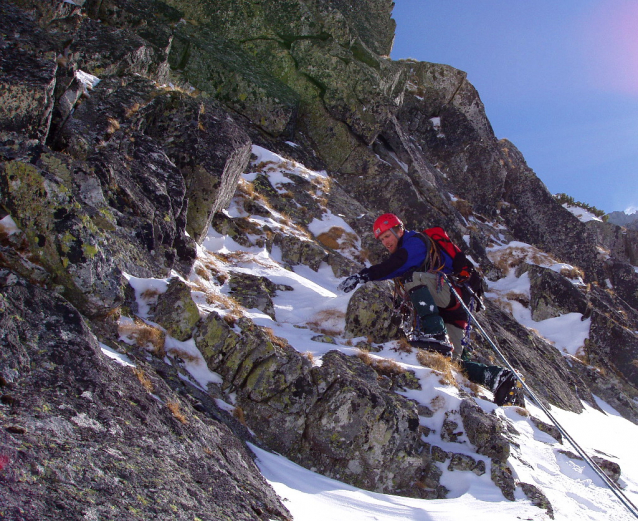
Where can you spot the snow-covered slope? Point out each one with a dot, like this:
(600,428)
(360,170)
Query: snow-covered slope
(316,306)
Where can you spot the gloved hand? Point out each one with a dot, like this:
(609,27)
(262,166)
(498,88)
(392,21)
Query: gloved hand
(350,283)
(476,284)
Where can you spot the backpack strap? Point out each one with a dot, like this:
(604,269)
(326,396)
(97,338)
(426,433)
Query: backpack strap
(433,261)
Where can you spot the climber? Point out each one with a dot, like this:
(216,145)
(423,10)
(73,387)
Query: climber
(417,262)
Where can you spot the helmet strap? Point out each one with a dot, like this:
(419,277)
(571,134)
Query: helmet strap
(395,233)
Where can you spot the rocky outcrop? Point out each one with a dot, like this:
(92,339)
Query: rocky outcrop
(124,128)
(85,437)
(370,313)
(335,418)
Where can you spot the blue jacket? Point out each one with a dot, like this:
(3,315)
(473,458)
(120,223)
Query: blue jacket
(411,253)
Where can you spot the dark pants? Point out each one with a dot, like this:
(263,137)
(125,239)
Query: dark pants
(427,313)
(481,374)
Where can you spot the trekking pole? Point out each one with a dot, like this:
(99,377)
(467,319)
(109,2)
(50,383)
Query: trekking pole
(606,479)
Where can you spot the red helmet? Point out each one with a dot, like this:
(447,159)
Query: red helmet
(384,223)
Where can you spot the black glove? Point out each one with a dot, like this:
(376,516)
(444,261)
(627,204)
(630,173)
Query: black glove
(476,284)
(350,283)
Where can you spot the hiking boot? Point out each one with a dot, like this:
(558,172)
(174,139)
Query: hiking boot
(438,343)
(509,390)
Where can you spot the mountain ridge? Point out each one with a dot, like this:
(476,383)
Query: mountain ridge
(125,177)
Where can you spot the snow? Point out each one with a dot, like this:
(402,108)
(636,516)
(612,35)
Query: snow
(582,214)
(120,358)
(88,81)
(315,307)
(573,489)
(567,332)
(8,225)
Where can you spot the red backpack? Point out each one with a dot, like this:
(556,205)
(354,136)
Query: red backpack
(453,260)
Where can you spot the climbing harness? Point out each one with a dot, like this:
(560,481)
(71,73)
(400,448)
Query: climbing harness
(606,479)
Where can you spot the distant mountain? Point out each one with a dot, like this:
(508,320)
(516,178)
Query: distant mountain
(628,220)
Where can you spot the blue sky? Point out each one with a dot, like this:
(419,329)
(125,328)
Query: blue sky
(558,78)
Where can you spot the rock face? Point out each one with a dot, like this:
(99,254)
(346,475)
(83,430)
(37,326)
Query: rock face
(124,128)
(104,438)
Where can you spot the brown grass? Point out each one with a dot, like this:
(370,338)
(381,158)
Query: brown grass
(238,413)
(173,406)
(337,238)
(183,355)
(132,110)
(572,273)
(464,207)
(145,336)
(274,339)
(202,272)
(403,346)
(383,366)
(310,356)
(364,356)
(319,322)
(443,365)
(223,301)
(113,126)
(513,256)
(246,189)
(323,183)
(149,294)
(521,298)
(144,379)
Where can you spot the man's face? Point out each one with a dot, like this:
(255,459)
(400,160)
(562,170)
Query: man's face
(390,240)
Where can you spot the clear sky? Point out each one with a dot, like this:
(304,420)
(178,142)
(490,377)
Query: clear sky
(558,78)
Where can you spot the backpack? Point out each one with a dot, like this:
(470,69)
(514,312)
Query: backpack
(453,260)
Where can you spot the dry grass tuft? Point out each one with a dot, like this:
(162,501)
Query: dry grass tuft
(445,366)
(327,322)
(144,379)
(132,110)
(145,336)
(521,411)
(365,357)
(310,356)
(113,126)
(173,406)
(238,414)
(323,183)
(403,346)
(231,320)
(522,298)
(464,207)
(150,294)
(224,301)
(183,355)
(473,387)
(202,272)
(382,366)
(274,339)
(337,238)
(572,273)
(513,256)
